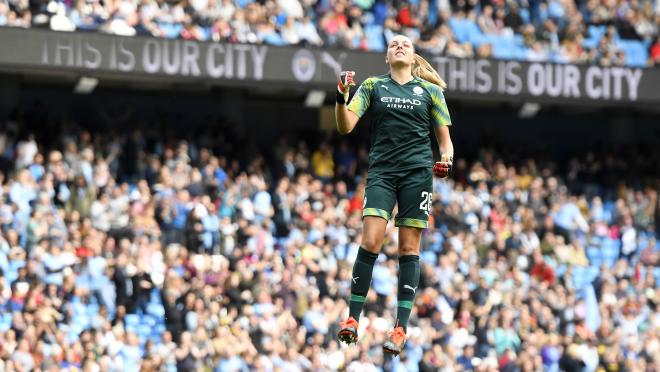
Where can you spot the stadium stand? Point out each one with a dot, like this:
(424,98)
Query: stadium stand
(609,33)
(133,252)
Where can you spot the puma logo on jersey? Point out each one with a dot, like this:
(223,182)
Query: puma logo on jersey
(355,279)
(385,87)
(406,286)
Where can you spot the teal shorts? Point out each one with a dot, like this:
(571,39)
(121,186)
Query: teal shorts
(410,189)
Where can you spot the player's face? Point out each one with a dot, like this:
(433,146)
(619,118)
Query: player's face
(400,51)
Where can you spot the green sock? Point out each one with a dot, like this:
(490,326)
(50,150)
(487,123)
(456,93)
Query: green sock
(361,281)
(408,283)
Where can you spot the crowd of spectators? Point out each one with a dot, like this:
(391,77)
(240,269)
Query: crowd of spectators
(606,32)
(133,252)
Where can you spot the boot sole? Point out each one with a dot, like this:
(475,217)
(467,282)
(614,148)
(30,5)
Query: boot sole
(391,350)
(347,336)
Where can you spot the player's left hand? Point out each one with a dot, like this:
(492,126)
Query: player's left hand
(346,81)
(442,168)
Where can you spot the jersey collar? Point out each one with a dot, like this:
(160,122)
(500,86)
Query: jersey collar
(414,79)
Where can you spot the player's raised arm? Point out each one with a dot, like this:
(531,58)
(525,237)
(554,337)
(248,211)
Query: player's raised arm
(346,119)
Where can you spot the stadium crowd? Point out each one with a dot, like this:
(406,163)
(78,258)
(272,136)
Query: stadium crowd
(609,33)
(135,252)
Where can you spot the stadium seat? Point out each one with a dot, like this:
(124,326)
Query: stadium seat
(272,38)
(170,31)
(92,309)
(375,39)
(131,320)
(79,309)
(82,281)
(590,43)
(156,310)
(596,32)
(148,320)
(636,52)
(560,270)
(610,251)
(580,277)
(429,257)
(595,256)
(143,331)
(82,320)
(206,33)
(5,321)
(154,297)
(524,14)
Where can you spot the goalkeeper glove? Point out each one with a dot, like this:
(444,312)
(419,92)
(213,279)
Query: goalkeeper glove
(344,86)
(442,168)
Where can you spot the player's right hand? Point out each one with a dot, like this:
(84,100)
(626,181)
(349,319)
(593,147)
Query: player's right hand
(344,85)
(443,167)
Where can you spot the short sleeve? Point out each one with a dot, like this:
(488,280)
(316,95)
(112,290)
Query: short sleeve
(362,98)
(439,110)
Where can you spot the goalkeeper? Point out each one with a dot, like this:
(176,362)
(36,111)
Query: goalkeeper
(404,106)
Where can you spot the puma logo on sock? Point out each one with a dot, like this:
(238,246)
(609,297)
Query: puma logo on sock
(411,288)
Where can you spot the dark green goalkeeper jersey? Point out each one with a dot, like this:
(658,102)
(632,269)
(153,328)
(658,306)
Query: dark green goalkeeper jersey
(402,119)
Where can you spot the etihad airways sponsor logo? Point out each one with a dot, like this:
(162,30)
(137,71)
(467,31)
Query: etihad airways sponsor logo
(400,103)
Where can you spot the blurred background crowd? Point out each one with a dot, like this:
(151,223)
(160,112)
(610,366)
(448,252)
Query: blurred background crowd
(604,32)
(138,250)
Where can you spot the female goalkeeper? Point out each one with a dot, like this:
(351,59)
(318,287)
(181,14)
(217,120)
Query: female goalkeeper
(403,106)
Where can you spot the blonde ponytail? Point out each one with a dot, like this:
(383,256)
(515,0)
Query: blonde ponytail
(423,70)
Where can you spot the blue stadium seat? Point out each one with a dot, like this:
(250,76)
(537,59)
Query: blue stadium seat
(273,38)
(375,38)
(471,28)
(148,320)
(560,270)
(519,53)
(595,256)
(143,331)
(596,32)
(206,33)
(428,257)
(580,277)
(72,336)
(466,31)
(636,52)
(79,308)
(524,14)
(519,40)
(609,206)
(610,251)
(5,322)
(82,321)
(156,310)
(154,296)
(368,18)
(590,43)
(92,309)
(170,30)
(478,39)
(158,331)
(82,281)
(593,273)
(131,320)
